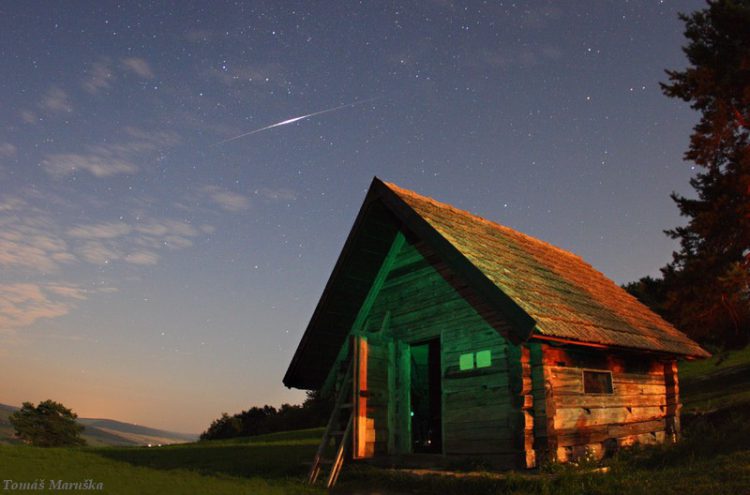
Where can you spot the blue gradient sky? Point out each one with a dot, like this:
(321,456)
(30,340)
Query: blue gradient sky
(151,273)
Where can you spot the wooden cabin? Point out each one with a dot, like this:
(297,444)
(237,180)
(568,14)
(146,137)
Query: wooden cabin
(468,338)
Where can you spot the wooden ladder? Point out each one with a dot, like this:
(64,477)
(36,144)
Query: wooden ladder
(337,430)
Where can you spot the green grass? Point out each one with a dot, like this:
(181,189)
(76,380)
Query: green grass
(717,383)
(277,456)
(716,363)
(263,465)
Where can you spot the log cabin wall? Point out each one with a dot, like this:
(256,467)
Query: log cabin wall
(528,405)
(422,300)
(639,408)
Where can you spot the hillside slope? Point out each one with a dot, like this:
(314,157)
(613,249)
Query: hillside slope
(717,383)
(101,432)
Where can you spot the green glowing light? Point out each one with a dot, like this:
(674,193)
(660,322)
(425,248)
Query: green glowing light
(484,359)
(466,362)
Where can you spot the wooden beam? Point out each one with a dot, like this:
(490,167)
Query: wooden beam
(360,397)
(403,405)
(392,396)
(673,400)
(377,284)
(522,416)
(364,310)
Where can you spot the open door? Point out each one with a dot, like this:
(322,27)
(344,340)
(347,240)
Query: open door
(426,398)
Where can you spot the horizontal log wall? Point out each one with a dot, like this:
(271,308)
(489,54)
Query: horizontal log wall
(476,403)
(638,410)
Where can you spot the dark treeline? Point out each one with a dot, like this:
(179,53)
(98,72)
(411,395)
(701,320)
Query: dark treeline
(705,289)
(313,412)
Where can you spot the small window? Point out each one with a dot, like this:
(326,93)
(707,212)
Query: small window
(466,362)
(484,359)
(597,382)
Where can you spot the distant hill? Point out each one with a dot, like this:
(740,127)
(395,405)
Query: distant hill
(105,432)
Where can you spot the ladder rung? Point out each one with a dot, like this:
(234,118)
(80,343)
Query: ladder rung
(344,394)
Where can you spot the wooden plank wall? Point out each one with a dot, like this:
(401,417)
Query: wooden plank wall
(636,412)
(476,403)
(423,301)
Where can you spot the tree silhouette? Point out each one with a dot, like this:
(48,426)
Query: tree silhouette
(50,424)
(707,283)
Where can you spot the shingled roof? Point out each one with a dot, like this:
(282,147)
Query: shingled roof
(566,297)
(544,291)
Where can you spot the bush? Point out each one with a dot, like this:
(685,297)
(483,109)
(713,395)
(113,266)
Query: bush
(50,424)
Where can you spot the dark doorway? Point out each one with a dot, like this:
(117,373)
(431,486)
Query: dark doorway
(426,427)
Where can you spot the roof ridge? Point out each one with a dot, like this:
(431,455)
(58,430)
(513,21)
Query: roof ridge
(492,223)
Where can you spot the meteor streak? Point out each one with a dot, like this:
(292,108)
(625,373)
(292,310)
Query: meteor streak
(295,119)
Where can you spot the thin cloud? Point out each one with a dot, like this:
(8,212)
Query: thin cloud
(64,164)
(100,231)
(21,253)
(117,158)
(166,227)
(27,116)
(32,242)
(22,304)
(56,100)
(139,243)
(138,66)
(280,194)
(35,245)
(7,150)
(142,258)
(227,200)
(98,253)
(149,140)
(66,291)
(100,77)
(28,241)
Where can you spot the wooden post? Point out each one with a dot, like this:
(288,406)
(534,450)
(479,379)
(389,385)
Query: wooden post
(673,400)
(549,406)
(545,444)
(392,396)
(522,417)
(403,397)
(360,397)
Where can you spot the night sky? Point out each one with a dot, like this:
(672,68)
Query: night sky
(158,271)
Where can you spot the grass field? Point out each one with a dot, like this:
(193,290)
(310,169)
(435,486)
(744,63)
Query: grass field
(716,383)
(713,458)
(273,465)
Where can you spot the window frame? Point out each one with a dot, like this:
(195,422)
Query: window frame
(592,370)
